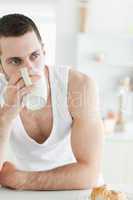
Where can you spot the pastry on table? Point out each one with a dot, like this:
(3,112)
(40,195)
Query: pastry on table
(104,193)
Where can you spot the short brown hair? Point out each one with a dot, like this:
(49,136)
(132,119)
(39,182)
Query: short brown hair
(14,25)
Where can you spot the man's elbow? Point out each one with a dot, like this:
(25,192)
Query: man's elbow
(88,183)
(89,177)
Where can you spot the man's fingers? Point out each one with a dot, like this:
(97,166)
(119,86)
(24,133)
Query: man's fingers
(17,76)
(25,90)
(20,84)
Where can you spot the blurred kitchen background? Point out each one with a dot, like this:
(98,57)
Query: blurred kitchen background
(96,38)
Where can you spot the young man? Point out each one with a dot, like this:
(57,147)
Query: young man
(60,146)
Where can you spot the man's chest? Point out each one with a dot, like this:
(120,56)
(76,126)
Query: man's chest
(38,128)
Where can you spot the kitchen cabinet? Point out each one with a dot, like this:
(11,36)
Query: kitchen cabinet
(115,50)
(117,159)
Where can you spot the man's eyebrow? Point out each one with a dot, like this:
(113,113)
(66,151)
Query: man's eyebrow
(11,58)
(35,51)
(19,58)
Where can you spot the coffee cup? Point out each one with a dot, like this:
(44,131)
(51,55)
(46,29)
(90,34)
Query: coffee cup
(37,98)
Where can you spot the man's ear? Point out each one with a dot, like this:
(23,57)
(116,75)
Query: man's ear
(44,52)
(1,68)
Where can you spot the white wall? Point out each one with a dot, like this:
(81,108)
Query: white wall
(110,16)
(110,33)
(66,21)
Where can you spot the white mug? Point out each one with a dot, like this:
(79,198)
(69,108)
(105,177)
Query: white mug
(36,99)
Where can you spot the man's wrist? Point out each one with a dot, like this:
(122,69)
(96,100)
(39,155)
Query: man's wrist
(22,180)
(6,115)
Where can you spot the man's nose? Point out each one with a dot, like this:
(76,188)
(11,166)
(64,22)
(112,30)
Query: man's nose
(28,64)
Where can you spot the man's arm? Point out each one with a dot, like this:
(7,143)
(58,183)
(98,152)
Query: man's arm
(86,141)
(5,130)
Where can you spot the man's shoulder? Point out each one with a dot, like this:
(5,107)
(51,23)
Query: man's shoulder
(82,90)
(78,80)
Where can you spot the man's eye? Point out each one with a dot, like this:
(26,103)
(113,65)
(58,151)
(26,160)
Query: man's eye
(15,61)
(35,55)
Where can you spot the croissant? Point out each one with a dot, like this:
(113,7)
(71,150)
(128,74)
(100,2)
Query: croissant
(104,193)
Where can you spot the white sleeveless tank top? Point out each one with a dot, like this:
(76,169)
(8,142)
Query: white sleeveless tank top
(56,150)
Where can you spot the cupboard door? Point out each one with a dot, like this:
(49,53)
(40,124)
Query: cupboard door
(114,162)
(129,164)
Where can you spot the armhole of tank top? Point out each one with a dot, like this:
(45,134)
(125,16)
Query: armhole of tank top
(67,90)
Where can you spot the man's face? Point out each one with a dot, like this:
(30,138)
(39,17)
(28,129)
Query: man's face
(22,51)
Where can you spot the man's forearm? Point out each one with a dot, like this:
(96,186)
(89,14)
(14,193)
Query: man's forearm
(72,176)
(3,145)
(5,128)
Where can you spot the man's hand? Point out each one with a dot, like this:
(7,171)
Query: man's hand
(10,177)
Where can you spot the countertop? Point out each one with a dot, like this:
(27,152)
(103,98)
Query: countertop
(7,194)
(120,137)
